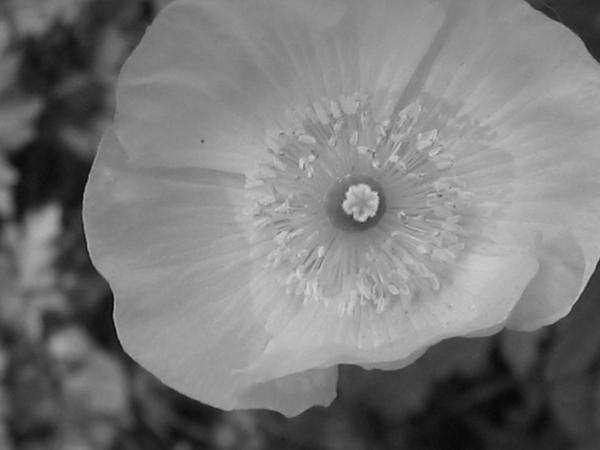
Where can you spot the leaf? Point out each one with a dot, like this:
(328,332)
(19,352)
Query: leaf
(521,350)
(578,344)
(459,356)
(17,112)
(393,394)
(573,406)
(99,387)
(16,117)
(9,64)
(5,441)
(238,430)
(70,345)
(111,53)
(94,388)
(35,17)
(36,250)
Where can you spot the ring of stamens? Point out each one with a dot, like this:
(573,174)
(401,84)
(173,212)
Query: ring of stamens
(357,212)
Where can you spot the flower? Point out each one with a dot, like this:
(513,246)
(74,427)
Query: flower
(292,185)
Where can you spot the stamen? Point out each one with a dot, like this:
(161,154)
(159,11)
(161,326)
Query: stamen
(357,212)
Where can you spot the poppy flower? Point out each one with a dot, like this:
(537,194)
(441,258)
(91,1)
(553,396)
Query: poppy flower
(290,185)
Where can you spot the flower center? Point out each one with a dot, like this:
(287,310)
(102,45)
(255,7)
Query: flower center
(355,212)
(360,202)
(355,203)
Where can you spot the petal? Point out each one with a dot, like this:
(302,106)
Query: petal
(292,394)
(568,253)
(211,76)
(397,364)
(498,57)
(480,295)
(533,83)
(555,288)
(178,262)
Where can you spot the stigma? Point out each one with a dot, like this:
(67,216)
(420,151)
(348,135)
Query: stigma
(355,203)
(358,212)
(361,202)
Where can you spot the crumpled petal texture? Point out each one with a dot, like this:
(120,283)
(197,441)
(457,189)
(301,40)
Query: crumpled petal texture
(163,203)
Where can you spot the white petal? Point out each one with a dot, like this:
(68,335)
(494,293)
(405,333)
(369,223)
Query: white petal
(556,286)
(533,84)
(180,268)
(210,76)
(480,295)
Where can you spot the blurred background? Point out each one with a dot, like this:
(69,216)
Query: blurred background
(65,382)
